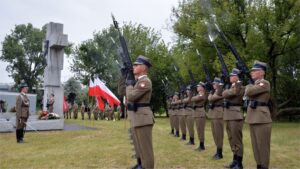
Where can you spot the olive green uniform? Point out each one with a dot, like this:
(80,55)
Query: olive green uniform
(142,119)
(234,118)
(259,120)
(75,111)
(188,109)
(82,111)
(175,116)
(199,115)
(182,118)
(215,113)
(22,115)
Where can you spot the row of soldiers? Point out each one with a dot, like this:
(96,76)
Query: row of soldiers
(225,105)
(108,113)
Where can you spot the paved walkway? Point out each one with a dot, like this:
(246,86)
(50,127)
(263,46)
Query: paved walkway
(70,127)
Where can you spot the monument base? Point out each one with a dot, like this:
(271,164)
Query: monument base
(8,123)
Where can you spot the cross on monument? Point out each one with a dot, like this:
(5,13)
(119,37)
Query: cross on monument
(56,41)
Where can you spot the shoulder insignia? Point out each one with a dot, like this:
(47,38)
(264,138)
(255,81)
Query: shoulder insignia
(142,85)
(261,84)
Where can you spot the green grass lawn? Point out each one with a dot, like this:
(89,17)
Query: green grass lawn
(108,147)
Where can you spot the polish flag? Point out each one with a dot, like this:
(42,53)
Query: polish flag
(92,88)
(100,103)
(104,92)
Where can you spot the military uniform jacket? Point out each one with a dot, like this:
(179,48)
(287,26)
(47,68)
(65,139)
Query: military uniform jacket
(82,108)
(180,109)
(234,98)
(188,106)
(140,93)
(217,100)
(22,106)
(174,107)
(198,104)
(259,91)
(169,106)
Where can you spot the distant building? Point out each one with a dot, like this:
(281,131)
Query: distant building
(5,87)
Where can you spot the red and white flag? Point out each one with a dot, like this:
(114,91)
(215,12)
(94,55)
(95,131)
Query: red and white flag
(92,88)
(100,103)
(105,93)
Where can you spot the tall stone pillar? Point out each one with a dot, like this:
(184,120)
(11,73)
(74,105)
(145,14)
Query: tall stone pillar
(55,60)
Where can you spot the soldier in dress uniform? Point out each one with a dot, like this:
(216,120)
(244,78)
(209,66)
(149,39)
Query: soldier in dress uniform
(175,113)
(215,113)
(233,116)
(82,110)
(50,103)
(75,110)
(199,113)
(171,114)
(108,112)
(89,110)
(258,114)
(138,93)
(182,115)
(22,114)
(188,109)
(95,112)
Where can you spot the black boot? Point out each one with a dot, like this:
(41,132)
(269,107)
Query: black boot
(172,131)
(201,147)
(138,165)
(19,133)
(218,154)
(238,164)
(177,134)
(183,137)
(233,163)
(259,166)
(191,142)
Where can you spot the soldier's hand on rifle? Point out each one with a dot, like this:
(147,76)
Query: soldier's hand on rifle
(124,72)
(130,82)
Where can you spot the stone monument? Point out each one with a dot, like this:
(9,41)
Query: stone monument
(56,41)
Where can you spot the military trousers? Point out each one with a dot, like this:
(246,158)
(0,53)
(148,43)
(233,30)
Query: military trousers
(182,123)
(143,136)
(134,142)
(217,127)
(176,122)
(190,125)
(260,139)
(171,118)
(234,130)
(200,126)
(82,115)
(50,109)
(21,122)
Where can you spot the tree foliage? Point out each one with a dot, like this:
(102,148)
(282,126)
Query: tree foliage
(99,57)
(260,30)
(22,49)
(72,90)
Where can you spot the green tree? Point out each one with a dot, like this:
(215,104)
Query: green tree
(263,30)
(22,49)
(97,58)
(72,89)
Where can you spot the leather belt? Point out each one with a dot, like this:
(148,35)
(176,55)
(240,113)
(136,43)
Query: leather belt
(135,106)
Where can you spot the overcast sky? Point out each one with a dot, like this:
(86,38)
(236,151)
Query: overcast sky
(82,17)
